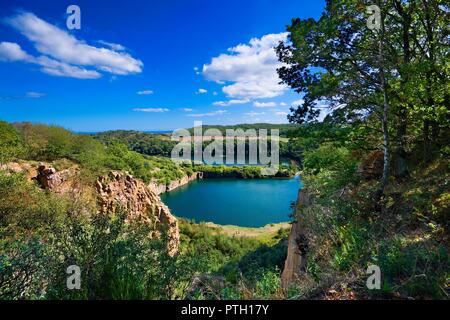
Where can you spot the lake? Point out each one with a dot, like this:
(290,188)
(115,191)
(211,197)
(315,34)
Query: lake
(246,203)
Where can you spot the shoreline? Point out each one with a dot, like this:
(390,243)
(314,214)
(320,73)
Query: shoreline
(266,231)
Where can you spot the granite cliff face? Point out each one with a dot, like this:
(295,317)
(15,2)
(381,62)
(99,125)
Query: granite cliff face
(159,188)
(119,190)
(61,182)
(295,262)
(111,192)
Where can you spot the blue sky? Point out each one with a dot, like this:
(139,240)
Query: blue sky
(146,65)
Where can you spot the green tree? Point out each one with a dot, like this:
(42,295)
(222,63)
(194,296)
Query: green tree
(365,74)
(11,143)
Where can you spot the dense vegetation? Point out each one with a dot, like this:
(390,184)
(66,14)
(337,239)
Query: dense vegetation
(376,171)
(162,145)
(242,172)
(377,168)
(142,142)
(284,129)
(50,143)
(41,234)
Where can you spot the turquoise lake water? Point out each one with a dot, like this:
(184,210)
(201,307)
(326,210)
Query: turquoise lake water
(247,203)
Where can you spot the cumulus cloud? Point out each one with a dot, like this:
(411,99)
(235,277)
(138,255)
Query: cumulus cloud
(187,109)
(264,104)
(230,102)
(250,68)
(151,110)
(281,113)
(208,114)
(202,91)
(11,52)
(62,54)
(145,92)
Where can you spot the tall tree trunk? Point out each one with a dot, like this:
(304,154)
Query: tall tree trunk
(426,139)
(399,156)
(430,77)
(386,142)
(384,118)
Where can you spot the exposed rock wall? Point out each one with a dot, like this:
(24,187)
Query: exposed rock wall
(295,262)
(113,191)
(161,188)
(118,190)
(61,182)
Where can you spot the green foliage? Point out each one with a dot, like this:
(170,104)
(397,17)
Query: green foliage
(50,143)
(11,143)
(268,284)
(415,269)
(245,264)
(284,129)
(241,172)
(118,260)
(328,168)
(141,142)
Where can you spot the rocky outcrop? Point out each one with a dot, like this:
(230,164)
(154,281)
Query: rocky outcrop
(29,170)
(295,262)
(61,182)
(157,188)
(121,191)
(113,191)
(181,182)
(161,188)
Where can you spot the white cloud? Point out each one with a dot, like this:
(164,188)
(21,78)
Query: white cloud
(63,54)
(33,94)
(283,104)
(254,114)
(152,110)
(187,109)
(281,113)
(112,46)
(202,91)
(230,102)
(264,104)
(145,92)
(250,67)
(10,51)
(208,114)
(214,93)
